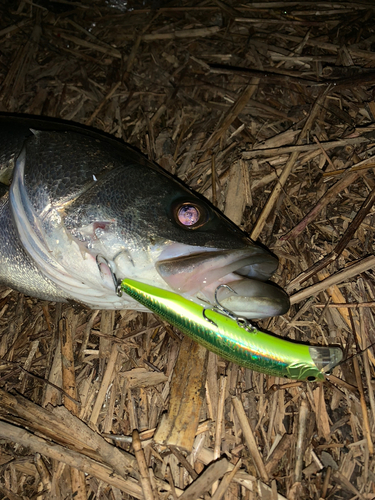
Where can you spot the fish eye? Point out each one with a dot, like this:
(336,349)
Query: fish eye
(190,215)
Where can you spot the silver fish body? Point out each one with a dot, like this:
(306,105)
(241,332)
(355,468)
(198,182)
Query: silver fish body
(79,198)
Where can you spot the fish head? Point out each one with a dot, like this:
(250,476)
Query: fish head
(88,210)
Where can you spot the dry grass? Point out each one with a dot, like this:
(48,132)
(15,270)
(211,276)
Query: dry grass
(268,110)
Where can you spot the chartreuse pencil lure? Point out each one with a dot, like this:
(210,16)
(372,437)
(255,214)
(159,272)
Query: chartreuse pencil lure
(234,338)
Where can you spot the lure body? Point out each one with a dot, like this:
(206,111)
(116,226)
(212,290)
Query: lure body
(253,349)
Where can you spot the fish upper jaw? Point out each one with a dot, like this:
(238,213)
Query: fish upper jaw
(193,272)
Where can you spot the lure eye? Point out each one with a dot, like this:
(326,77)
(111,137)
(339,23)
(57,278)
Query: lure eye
(311,378)
(190,215)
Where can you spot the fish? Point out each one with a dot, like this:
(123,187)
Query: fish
(81,210)
(85,217)
(234,338)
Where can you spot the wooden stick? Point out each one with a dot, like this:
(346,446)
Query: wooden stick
(204,482)
(14,27)
(302,425)
(179,426)
(106,327)
(362,165)
(228,9)
(332,47)
(369,384)
(107,379)
(344,482)
(219,423)
(231,115)
(356,222)
(180,457)
(357,268)
(213,180)
(69,457)
(89,45)
(131,57)
(326,482)
(278,453)
(146,436)
(338,381)
(366,424)
(78,482)
(275,75)
(300,148)
(225,482)
(220,416)
(249,438)
(64,428)
(44,474)
(86,336)
(143,469)
(342,244)
(192,33)
(346,305)
(67,365)
(279,186)
(171,483)
(236,195)
(102,103)
(324,152)
(329,196)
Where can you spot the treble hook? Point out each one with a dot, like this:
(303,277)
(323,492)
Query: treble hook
(222,309)
(208,319)
(116,282)
(241,322)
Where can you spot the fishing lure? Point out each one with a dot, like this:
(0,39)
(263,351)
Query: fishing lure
(234,338)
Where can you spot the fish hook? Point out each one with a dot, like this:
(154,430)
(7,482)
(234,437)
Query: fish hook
(222,309)
(241,322)
(102,260)
(208,319)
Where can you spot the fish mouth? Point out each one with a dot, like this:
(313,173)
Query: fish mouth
(200,275)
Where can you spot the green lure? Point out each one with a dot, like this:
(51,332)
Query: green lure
(236,341)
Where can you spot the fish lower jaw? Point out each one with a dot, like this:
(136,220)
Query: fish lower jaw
(248,298)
